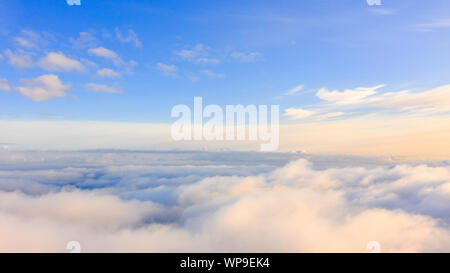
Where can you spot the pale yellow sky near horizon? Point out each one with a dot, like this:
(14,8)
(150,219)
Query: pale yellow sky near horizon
(401,137)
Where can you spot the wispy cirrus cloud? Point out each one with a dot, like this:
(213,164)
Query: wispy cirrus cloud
(349,96)
(246,56)
(129,37)
(29,39)
(349,108)
(212,75)
(297,113)
(433,25)
(294,90)
(167,69)
(102,88)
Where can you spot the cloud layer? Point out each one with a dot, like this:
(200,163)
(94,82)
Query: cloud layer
(167,202)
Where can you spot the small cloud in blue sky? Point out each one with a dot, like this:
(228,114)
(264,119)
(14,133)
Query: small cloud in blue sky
(167,69)
(246,57)
(73,2)
(43,88)
(102,88)
(212,75)
(294,90)
(130,37)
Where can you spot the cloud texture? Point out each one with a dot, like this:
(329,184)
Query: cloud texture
(176,201)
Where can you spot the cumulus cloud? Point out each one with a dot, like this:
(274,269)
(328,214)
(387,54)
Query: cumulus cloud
(75,207)
(43,88)
(4,85)
(130,37)
(295,208)
(111,55)
(19,59)
(102,88)
(107,72)
(58,62)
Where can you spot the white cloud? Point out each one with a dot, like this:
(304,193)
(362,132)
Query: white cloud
(73,2)
(439,96)
(110,212)
(107,72)
(212,75)
(24,42)
(436,24)
(131,37)
(211,61)
(19,59)
(432,99)
(167,69)
(4,85)
(102,88)
(297,113)
(294,90)
(245,57)
(107,54)
(198,54)
(295,208)
(348,96)
(114,57)
(84,40)
(330,115)
(43,88)
(29,39)
(57,61)
(191,54)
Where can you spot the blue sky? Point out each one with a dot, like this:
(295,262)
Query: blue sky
(229,52)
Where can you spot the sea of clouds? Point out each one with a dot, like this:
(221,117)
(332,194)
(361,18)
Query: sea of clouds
(125,201)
